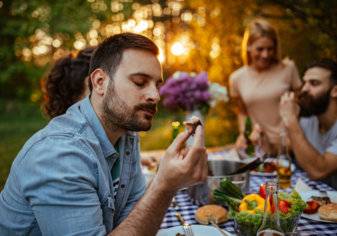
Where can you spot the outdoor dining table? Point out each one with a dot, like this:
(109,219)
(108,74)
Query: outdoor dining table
(305,226)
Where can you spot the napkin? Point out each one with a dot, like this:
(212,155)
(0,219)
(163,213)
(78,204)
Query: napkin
(300,186)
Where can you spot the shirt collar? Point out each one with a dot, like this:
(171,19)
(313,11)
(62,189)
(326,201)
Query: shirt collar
(93,120)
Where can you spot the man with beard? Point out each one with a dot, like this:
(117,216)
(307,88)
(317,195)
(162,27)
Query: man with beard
(314,137)
(80,175)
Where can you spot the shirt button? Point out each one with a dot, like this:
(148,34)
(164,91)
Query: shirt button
(122,185)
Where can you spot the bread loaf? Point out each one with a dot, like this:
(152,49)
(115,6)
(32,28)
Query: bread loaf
(205,213)
(328,212)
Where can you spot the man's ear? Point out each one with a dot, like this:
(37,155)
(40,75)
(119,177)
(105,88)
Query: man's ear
(333,92)
(99,80)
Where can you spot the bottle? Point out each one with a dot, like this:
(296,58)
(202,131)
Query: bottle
(270,225)
(250,150)
(283,163)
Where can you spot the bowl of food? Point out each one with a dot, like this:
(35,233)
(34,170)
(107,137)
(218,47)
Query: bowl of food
(218,169)
(247,210)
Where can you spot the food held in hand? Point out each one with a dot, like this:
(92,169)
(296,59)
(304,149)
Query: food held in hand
(328,212)
(211,212)
(312,207)
(192,124)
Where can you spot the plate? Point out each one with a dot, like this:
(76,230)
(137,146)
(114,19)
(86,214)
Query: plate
(198,230)
(307,195)
(259,173)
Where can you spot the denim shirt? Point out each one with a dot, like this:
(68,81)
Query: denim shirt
(60,182)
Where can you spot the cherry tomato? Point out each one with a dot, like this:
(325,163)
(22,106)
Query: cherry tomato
(312,207)
(283,206)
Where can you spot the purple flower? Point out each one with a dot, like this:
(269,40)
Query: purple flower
(186,91)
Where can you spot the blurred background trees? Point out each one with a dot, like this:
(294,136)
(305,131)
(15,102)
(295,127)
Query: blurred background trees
(193,35)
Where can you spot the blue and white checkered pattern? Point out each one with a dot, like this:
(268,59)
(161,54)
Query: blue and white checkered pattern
(305,226)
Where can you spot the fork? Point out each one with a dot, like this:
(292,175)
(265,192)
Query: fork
(214,223)
(186,227)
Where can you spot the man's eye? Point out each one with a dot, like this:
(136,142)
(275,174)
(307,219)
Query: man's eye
(139,83)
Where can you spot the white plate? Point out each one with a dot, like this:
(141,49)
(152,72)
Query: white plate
(198,230)
(307,195)
(274,173)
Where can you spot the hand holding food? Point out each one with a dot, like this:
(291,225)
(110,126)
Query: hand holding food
(289,109)
(192,124)
(179,169)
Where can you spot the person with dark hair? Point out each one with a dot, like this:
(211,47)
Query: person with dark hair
(67,82)
(81,175)
(314,137)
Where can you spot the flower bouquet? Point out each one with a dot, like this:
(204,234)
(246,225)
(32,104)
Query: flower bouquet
(190,91)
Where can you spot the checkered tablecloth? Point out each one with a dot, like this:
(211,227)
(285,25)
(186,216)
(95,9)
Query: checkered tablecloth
(305,226)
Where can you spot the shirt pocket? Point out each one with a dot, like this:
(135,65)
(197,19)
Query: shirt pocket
(108,208)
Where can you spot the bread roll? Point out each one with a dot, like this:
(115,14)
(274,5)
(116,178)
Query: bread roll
(204,213)
(328,212)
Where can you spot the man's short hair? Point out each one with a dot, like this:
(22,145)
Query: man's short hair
(327,64)
(108,54)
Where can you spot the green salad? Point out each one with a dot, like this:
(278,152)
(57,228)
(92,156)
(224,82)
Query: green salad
(247,212)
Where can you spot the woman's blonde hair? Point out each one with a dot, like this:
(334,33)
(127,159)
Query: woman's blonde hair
(256,29)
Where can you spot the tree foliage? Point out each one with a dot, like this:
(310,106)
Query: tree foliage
(308,30)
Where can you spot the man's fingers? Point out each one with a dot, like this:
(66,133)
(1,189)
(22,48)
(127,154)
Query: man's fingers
(199,138)
(179,142)
(194,154)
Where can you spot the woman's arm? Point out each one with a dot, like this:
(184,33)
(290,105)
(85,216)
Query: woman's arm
(241,142)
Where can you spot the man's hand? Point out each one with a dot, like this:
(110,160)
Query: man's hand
(289,109)
(179,168)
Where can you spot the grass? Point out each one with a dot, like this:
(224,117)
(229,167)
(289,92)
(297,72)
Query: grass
(19,120)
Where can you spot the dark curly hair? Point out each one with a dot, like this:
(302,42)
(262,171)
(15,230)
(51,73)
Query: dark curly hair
(65,83)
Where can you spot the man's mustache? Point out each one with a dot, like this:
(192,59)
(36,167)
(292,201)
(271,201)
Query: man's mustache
(150,107)
(304,96)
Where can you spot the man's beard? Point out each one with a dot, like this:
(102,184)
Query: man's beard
(311,106)
(118,115)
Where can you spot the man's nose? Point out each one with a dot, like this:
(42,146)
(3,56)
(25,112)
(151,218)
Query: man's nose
(265,53)
(153,94)
(305,88)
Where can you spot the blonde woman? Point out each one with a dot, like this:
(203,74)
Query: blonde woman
(259,84)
